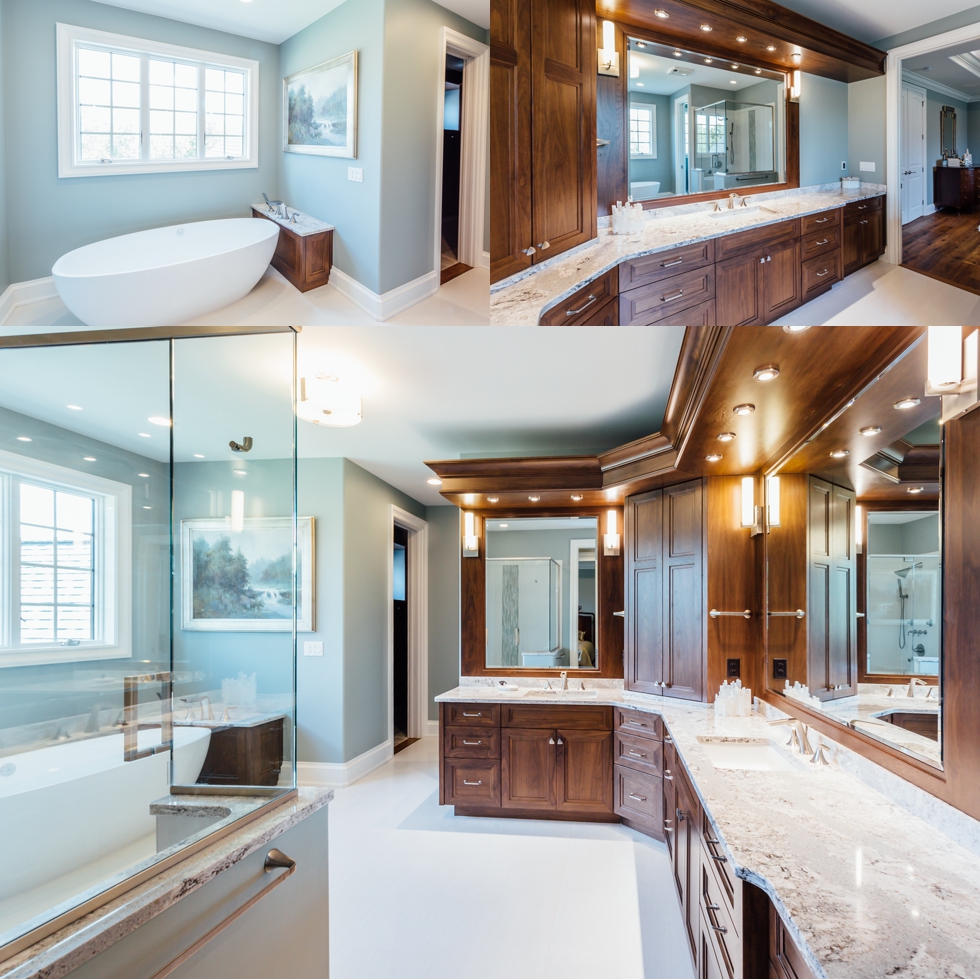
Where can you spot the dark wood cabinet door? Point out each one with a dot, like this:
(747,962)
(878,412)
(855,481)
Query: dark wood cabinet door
(563,149)
(687,856)
(739,294)
(819,585)
(528,759)
(683,595)
(783,290)
(852,248)
(585,771)
(644,592)
(670,796)
(510,136)
(841,667)
(709,960)
(874,237)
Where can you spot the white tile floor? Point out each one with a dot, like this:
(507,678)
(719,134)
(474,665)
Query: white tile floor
(417,892)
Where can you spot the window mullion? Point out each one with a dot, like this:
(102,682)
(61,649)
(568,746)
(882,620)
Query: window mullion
(144,107)
(200,110)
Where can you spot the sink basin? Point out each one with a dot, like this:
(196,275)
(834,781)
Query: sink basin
(745,212)
(750,756)
(566,695)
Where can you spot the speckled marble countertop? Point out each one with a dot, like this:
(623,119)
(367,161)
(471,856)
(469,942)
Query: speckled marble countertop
(304,224)
(868,889)
(237,717)
(56,955)
(521,299)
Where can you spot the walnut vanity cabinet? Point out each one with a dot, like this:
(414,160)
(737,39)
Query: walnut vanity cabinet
(589,306)
(863,234)
(639,755)
(785,959)
(304,260)
(244,754)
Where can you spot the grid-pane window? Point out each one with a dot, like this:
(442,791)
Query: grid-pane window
(643,130)
(173,91)
(108,105)
(57,565)
(710,132)
(224,106)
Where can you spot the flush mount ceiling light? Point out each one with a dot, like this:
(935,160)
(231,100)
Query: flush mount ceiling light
(906,403)
(74,407)
(733,82)
(23,438)
(144,475)
(662,14)
(745,409)
(503,526)
(870,430)
(794,329)
(726,437)
(576,497)
(197,455)
(840,453)
(435,481)
(915,489)
(88,458)
(534,499)
(758,71)
(714,457)
(797,56)
(326,400)
(493,499)
(734,67)
(767,373)
(706,28)
(159,420)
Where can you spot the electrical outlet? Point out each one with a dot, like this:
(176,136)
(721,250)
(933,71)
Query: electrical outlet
(780,669)
(312,648)
(734,668)
(870,167)
(843,164)
(357,174)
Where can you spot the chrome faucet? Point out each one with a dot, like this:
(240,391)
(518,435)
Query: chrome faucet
(564,680)
(732,201)
(798,733)
(93,725)
(914,682)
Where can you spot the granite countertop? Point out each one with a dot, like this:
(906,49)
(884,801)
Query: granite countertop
(79,941)
(237,717)
(304,224)
(521,299)
(867,888)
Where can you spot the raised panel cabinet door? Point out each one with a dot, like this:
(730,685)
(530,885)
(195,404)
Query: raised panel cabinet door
(783,280)
(644,592)
(842,674)
(819,587)
(670,796)
(563,150)
(873,236)
(510,136)
(528,761)
(739,290)
(852,249)
(687,862)
(585,771)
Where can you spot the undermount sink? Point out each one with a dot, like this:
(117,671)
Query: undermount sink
(750,756)
(748,211)
(566,694)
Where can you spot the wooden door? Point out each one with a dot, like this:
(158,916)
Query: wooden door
(563,149)
(670,796)
(739,293)
(872,239)
(687,856)
(842,645)
(510,136)
(819,586)
(527,772)
(853,245)
(683,594)
(782,278)
(585,771)
(644,592)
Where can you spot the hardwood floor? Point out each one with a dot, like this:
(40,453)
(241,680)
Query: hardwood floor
(450,272)
(945,246)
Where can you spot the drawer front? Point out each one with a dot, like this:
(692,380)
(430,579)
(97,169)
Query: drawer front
(820,273)
(472,782)
(824,221)
(473,742)
(639,796)
(727,884)
(652,268)
(473,715)
(745,241)
(606,315)
(718,918)
(573,717)
(785,959)
(639,754)
(638,722)
(820,242)
(857,209)
(583,303)
(666,299)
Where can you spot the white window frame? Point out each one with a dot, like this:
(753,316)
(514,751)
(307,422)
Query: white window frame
(112,556)
(652,109)
(69,39)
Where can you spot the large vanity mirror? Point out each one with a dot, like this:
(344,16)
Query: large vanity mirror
(854,597)
(541,596)
(699,124)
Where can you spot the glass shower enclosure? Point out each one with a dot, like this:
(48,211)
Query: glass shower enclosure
(735,145)
(153,576)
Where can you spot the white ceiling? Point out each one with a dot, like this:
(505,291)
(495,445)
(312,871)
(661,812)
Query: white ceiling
(655,75)
(938,67)
(270,20)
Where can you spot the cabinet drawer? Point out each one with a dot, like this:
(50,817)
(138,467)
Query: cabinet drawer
(652,268)
(638,722)
(820,273)
(474,742)
(745,241)
(573,717)
(729,887)
(639,754)
(473,783)
(606,315)
(785,959)
(666,299)
(824,221)
(473,715)
(718,918)
(640,798)
(858,209)
(819,242)
(583,303)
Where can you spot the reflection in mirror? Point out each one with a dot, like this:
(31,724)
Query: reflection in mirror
(699,124)
(541,593)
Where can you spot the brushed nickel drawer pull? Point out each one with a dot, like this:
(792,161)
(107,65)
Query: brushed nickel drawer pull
(638,754)
(639,798)
(472,783)
(477,714)
(824,242)
(820,275)
(669,265)
(708,839)
(574,312)
(551,740)
(820,220)
(560,741)
(720,928)
(719,859)
(798,614)
(472,742)
(528,251)
(865,221)
(670,299)
(862,207)
(667,775)
(745,614)
(712,907)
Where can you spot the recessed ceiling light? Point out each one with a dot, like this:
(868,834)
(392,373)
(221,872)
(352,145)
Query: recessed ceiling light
(706,28)
(662,14)
(23,438)
(144,435)
(197,455)
(726,436)
(89,458)
(840,453)
(796,56)
(678,54)
(793,329)
(74,407)
(144,475)
(741,39)
(534,499)
(147,508)
(641,44)
(708,61)
(745,409)
(915,489)
(767,373)
(758,71)
(502,525)
(770,47)
(733,82)
(576,497)
(240,472)
(734,67)
(714,457)
(640,85)
(435,481)
(159,420)
(907,403)
(493,499)
(870,430)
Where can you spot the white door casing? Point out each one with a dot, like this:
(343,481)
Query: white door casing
(913,143)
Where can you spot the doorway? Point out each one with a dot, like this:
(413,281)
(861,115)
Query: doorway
(451,158)
(399,642)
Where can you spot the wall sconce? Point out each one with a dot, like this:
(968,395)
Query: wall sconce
(952,369)
(796,86)
(237,511)
(326,400)
(751,514)
(859,528)
(611,540)
(471,543)
(608,55)
(772,485)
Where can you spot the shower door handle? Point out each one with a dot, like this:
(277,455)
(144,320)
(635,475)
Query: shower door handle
(131,726)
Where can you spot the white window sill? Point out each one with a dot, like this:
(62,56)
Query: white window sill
(154,166)
(48,655)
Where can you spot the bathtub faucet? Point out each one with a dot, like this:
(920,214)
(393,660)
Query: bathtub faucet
(93,726)
(272,205)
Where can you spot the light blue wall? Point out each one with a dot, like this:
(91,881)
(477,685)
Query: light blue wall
(662,168)
(4,267)
(444,558)
(823,129)
(48,216)
(866,128)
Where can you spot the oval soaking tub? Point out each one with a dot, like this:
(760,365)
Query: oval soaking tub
(77,811)
(165,276)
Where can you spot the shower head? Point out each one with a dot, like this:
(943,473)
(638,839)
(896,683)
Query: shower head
(903,572)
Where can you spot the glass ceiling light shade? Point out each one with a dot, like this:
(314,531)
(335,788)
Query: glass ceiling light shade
(326,400)
(945,358)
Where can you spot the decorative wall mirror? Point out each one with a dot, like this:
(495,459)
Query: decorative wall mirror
(854,593)
(947,131)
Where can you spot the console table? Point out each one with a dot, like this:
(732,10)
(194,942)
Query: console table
(304,252)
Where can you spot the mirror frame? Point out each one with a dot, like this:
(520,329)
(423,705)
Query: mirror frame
(947,112)
(610,584)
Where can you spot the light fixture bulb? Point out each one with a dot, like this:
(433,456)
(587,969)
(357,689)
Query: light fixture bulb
(714,457)
(797,56)
(745,409)
(493,499)
(840,453)
(945,356)
(726,436)
(870,430)
(662,14)
(471,543)
(611,540)
(741,39)
(915,489)
(324,399)
(758,71)
(708,61)
(794,329)
(434,481)
(796,88)
(608,35)
(734,67)
(678,54)
(770,47)
(907,403)
(859,525)
(534,499)
(706,28)
(576,497)
(159,420)
(767,373)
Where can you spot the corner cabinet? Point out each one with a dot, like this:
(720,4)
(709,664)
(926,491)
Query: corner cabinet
(864,233)
(542,130)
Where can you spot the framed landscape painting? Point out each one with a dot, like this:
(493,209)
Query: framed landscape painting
(320,109)
(243,581)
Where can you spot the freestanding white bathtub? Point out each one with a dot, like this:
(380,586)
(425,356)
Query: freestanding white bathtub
(72,804)
(165,276)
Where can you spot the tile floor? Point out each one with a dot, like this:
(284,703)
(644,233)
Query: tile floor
(416,891)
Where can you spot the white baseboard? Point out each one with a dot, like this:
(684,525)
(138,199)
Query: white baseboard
(339,774)
(432,729)
(484,260)
(385,305)
(19,294)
